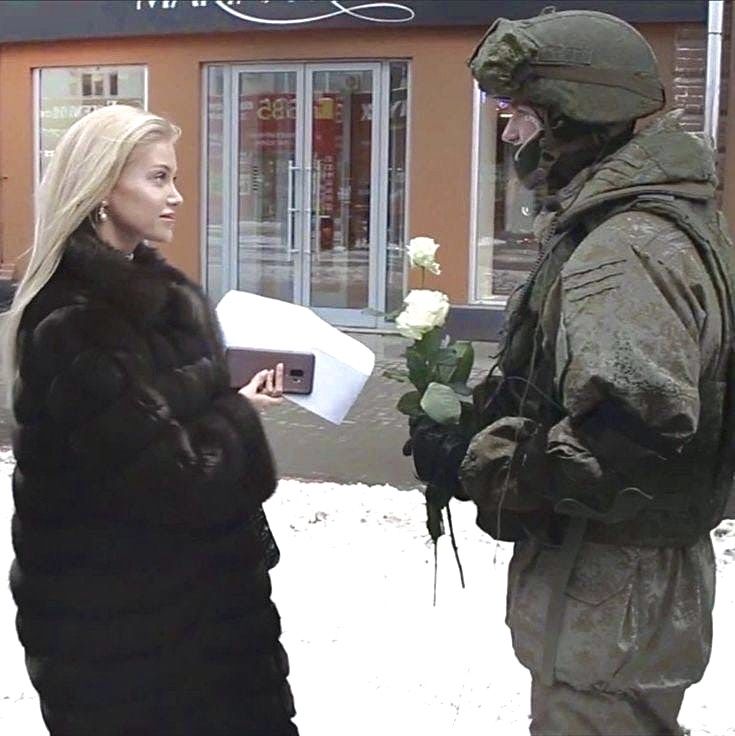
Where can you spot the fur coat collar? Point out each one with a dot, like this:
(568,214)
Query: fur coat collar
(145,288)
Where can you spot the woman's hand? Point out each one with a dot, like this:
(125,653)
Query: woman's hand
(265,388)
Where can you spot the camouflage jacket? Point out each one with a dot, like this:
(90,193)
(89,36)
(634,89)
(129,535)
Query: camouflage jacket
(613,390)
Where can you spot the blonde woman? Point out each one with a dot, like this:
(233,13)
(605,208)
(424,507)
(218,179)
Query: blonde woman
(142,554)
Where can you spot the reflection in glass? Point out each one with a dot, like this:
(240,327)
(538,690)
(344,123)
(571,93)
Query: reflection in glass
(266,156)
(505,244)
(300,229)
(69,93)
(396,235)
(341,170)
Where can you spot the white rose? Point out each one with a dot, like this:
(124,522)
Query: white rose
(423,310)
(422,254)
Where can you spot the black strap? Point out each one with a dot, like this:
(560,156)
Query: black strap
(644,86)
(557,601)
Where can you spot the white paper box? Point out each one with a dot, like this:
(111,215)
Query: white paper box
(341,366)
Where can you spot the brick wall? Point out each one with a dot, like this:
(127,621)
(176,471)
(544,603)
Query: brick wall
(690,63)
(726,103)
(690,74)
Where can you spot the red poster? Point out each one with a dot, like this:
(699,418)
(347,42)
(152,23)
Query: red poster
(360,167)
(327,143)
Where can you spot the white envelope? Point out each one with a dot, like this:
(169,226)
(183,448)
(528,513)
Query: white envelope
(342,364)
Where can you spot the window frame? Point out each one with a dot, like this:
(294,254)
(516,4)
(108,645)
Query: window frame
(494,300)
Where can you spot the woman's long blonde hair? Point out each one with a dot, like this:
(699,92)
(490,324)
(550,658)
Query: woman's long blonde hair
(83,171)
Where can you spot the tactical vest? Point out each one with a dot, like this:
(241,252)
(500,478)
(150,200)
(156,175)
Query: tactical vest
(689,492)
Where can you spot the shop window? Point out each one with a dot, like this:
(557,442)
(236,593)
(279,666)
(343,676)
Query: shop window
(68,93)
(503,244)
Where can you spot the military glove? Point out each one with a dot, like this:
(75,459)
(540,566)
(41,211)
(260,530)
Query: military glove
(506,468)
(437,450)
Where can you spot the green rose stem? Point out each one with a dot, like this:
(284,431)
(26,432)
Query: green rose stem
(454,545)
(438,369)
(435,526)
(436,569)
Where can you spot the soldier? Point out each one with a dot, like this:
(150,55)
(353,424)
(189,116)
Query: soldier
(606,451)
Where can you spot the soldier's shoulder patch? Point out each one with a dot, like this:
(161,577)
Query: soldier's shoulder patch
(586,280)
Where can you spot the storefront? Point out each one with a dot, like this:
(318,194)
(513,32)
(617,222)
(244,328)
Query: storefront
(318,137)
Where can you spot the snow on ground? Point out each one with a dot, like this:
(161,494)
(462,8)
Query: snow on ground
(369,652)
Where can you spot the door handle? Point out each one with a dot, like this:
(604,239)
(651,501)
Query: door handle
(308,210)
(317,187)
(291,209)
(316,183)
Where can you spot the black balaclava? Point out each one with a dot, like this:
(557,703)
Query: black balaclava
(565,147)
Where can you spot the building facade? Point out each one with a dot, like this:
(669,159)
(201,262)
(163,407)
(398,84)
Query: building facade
(318,137)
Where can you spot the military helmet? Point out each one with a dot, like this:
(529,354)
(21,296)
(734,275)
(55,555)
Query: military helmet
(586,66)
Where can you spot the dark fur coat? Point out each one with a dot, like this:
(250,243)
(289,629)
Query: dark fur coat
(141,574)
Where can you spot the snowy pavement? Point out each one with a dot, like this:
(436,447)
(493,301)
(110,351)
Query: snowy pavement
(369,653)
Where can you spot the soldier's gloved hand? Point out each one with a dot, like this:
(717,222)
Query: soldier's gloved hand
(506,467)
(437,450)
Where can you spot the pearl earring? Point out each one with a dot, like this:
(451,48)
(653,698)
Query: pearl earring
(102,213)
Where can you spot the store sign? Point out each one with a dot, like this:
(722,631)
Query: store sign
(286,12)
(31,20)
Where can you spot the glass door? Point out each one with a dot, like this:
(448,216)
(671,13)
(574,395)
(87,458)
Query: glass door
(268,149)
(341,191)
(307,144)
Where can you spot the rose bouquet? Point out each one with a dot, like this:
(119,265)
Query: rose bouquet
(439,406)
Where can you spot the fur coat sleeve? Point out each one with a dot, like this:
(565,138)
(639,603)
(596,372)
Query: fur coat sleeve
(122,385)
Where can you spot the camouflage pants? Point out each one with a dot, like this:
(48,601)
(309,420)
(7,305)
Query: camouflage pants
(561,710)
(636,632)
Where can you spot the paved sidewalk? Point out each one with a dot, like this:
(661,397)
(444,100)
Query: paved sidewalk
(366,447)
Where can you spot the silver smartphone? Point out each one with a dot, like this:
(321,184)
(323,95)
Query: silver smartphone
(298,368)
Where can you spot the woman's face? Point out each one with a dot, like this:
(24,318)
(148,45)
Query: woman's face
(143,204)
